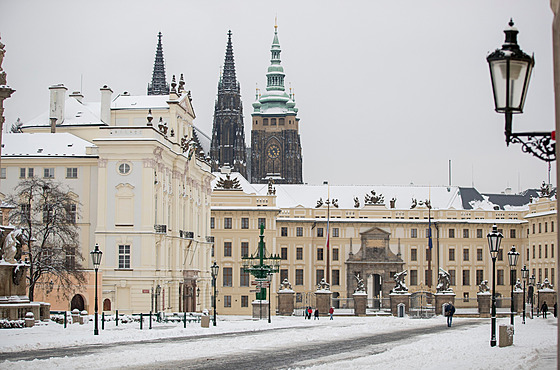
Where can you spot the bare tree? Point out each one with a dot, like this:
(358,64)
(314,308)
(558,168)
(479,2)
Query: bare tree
(47,213)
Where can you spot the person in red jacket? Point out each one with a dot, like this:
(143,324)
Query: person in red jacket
(331,311)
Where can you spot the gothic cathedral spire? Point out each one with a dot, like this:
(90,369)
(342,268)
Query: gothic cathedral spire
(228,130)
(275,140)
(159,85)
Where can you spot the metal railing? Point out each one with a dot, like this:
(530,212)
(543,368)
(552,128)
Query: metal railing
(160,229)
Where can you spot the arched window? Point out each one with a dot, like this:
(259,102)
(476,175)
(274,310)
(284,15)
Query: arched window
(106,304)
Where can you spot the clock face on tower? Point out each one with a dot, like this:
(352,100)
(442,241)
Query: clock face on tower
(273,151)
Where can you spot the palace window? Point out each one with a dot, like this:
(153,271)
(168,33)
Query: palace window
(244,249)
(227,301)
(299,276)
(465,254)
(466,277)
(227,277)
(284,231)
(500,277)
(212,222)
(465,233)
(48,173)
(413,277)
(413,233)
(227,223)
(452,280)
(299,231)
(244,301)
(243,278)
(452,254)
(451,233)
(335,232)
(335,277)
(479,255)
(71,172)
(245,223)
(124,256)
(413,254)
(479,233)
(479,276)
(262,221)
(319,254)
(227,249)
(284,253)
(319,232)
(512,233)
(319,275)
(299,253)
(335,254)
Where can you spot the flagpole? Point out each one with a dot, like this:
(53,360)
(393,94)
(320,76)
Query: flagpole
(328,231)
(430,236)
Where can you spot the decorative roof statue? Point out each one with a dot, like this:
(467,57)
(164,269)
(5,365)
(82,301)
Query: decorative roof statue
(323,285)
(400,286)
(319,203)
(392,202)
(545,191)
(374,198)
(361,288)
(334,202)
(483,287)
(518,286)
(443,282)
(228,183)
(285,285)
(414,203)
(271,189)
(356,202)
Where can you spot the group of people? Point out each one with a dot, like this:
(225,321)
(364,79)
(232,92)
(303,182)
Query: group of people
(309,312)
(544,309)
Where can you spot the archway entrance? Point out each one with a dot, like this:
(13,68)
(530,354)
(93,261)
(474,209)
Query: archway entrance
(107,304)
(77,302)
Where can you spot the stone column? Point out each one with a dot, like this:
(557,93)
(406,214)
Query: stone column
(484,303)
(285,302)
(518,301)
(396,299)
(443,298)
(360,303)
(323,301)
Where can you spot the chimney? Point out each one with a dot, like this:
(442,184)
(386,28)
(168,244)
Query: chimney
(77,95)
(53,125)
(58,96)
(106,104)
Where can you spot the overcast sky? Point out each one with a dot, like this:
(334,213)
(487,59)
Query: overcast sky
(388,91)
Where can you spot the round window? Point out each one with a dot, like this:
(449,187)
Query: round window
(124,168)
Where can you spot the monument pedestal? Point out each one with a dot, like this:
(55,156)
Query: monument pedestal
(443,298)
(360,303)
(484,303)
(518,301)
(260,309)
(323,301)
(286,302)
(14,303)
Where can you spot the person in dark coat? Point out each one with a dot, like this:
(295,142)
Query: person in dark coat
(449,311)
(316,314)
(544,309)
(556,309)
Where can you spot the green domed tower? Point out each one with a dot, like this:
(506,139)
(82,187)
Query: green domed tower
(275,140)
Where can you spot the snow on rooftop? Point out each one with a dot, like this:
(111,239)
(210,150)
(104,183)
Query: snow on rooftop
(140,102)
(75,113)
(44,145)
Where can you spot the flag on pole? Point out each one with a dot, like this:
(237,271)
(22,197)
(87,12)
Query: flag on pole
(429,231)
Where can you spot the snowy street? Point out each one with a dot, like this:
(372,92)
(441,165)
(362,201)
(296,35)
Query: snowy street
(288,342)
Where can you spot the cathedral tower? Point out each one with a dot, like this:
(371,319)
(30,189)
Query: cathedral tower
(228,130)
(275,140)
(158,86)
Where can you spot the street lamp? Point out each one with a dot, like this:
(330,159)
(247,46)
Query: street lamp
(513,256)
(532,281)
(214,268)
(510,72)
(494,239)
(96,259)
(524,275)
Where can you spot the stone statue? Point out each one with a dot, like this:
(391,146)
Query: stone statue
(400,286)
(356,202)
(285,285)
(374,198)
(483,287)
(323,285)
(443,281)
(518,285)
(361,288)
(271,189)
(319,203)
(546,284)
(392,202)
(12,246)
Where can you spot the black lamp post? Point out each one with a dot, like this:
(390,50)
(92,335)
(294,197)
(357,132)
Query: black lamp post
(532,281)
(494,239)
(513,256)
(96,259)
(510,72)
(215,268)
(524,275)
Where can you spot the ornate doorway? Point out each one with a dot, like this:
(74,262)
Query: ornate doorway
(77,302)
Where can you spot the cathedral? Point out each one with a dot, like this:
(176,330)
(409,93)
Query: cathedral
(228,131)
(275,141)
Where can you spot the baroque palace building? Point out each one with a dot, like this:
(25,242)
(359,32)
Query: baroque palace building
(141,180)
(376,238)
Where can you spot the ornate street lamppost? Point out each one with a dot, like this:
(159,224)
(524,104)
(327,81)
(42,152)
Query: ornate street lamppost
(532,281)
(513,256)
(96,259)
(510,72)
(494,239)
(524,276)
(262,267)
(215,269)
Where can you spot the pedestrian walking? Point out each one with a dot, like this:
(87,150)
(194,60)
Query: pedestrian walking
(309,312)
(556,309)
(449,311)
(331,311)
(544,309)
(316,314)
